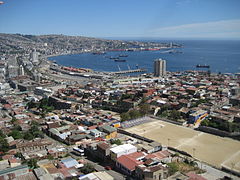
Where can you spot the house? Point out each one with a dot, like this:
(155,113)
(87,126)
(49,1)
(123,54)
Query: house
(74,139)
(193,176)
(160,156)
(69,162)
(102,175)
(103,151)
(13,172)
(95,133)
(156,172)
(120,150)
(111,132)
(146,148)
(34,145)
(14,162)
(4,164)
(127,163)
(42,174)
(57,151)
(196,116)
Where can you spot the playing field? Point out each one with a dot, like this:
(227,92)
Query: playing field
(211,149)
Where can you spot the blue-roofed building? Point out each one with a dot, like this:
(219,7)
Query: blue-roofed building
(197,115)
(69,162)
(95,133)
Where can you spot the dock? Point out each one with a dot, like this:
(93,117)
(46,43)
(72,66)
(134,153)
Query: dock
(129,71)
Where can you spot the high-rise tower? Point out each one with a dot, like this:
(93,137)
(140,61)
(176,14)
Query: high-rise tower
(34,56)
(159,67)
(21,70)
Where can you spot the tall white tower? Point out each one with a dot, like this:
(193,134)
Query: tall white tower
(34,56)
(159,67)
(21,70)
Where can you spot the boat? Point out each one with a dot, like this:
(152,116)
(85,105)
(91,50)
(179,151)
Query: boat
(99,53)
(120,60)
(174,51)
(129,50)
(202,66)
(122,55)
(114,58)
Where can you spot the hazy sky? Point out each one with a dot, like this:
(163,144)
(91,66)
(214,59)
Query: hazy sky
(123,18)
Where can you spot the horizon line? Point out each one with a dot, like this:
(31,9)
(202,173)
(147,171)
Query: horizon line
(132,37)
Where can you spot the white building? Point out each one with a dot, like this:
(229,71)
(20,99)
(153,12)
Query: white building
(43,91)
(95,133)
(21,70)
(120,150)
(159,67)
(34,56)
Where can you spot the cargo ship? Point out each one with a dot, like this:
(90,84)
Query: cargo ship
(202,66)
(120,60)
(122,55)
(99,53)
(114,58)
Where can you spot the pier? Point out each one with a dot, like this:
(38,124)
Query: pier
(129,71)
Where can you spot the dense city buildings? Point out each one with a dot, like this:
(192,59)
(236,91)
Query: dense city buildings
(60,122)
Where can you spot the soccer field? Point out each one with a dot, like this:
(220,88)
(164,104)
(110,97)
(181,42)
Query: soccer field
(208,148)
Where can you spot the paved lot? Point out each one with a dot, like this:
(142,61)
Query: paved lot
(214,150)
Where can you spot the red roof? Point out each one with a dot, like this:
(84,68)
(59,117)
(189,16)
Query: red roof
(92,127)
(7,106)
(159,155)
(193,176)
(130,161)
(6,157)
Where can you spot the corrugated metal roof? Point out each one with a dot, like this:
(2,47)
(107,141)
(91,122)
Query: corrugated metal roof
(8,170)
(69,162)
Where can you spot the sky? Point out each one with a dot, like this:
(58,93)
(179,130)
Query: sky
(186,19)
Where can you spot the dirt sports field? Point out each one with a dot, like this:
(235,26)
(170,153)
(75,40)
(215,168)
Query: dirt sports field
(208,148)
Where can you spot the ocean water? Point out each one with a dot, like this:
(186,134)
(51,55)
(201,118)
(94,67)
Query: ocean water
(221,55)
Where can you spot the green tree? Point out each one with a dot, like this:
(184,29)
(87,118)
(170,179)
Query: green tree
(165,107)
(17,127)
(28,136)
(16,134)
(32,163)
(164,114)
(126,96)
(134,114)
(45,106)
(13,120)
(175,115)
(116,141)
(4,146)
(205,122)
(144,108)
(87,168)
(50,157)
(125,116)
(19,155)
(172,168)
(2,135)
(31,104)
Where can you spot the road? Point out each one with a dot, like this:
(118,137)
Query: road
(212,173)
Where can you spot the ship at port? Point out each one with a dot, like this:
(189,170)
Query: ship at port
(114,58)
(122,55)
(120,60)
(99,53)
(202,66)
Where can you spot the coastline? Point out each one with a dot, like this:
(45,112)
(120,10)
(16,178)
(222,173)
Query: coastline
(221,58)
